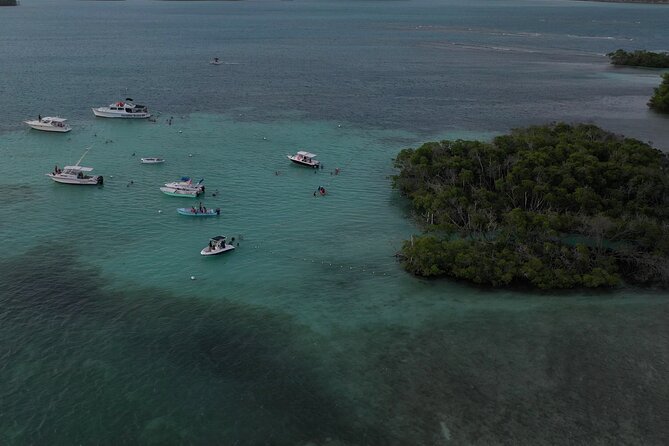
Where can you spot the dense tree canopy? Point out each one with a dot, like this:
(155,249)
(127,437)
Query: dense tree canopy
(554,206)
(660,99)
(639,58)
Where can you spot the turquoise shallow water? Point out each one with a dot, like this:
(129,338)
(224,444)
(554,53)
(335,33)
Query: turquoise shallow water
(309,333)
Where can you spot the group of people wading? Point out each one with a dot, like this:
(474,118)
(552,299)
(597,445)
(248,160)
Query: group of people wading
(203,210)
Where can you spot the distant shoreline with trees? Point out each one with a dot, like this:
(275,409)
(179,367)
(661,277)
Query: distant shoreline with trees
(639,58)
(660,2)
(659,102)
(660,99)
(553,207)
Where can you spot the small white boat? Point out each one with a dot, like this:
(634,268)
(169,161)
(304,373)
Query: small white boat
(215,61)
(305,159)
(186,182)
(50,124)
(75,174)
(121,109)
(178,192)
(217,245)
(183,188)
(152,160)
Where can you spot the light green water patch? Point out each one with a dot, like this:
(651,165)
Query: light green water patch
(288,238)
(640,76)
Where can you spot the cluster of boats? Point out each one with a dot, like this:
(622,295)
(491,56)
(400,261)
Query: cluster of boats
(184,187)
(122,109)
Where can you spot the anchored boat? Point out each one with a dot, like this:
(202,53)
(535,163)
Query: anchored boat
(75,174)
(50,124)
(199,212)
(305,159)
(217,245)
(121,109)
(184,188)
(151,160)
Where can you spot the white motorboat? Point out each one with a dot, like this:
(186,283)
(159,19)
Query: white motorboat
(151,160)
(305,159)
(186,182)
(181,192)
(184,188)
(215,61)
(50,124)
(121,109)
(217,245)
(75,174)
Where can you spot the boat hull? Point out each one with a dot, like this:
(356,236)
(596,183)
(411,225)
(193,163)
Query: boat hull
(152,160)
(103,112)
(313,164)
(92,181)
(189,212)
(302,163)
(216,251)
(48,128)
(181,192)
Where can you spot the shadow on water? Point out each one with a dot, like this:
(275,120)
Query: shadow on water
(561,374)
(81,365)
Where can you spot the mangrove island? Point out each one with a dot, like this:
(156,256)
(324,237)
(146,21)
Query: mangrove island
(639,58)
(660,99)
(554,206)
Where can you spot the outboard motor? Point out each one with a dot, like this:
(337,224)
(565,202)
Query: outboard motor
(100,179)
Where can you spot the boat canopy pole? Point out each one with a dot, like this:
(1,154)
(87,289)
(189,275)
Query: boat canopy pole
(82,156)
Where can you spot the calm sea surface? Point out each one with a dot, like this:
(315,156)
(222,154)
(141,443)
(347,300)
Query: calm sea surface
(114,330)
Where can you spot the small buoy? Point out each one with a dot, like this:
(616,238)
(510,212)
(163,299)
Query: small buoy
(192,277)
(180,131)
(339,126)
(190,155)
(159,211)
(111,176)
(264,138)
